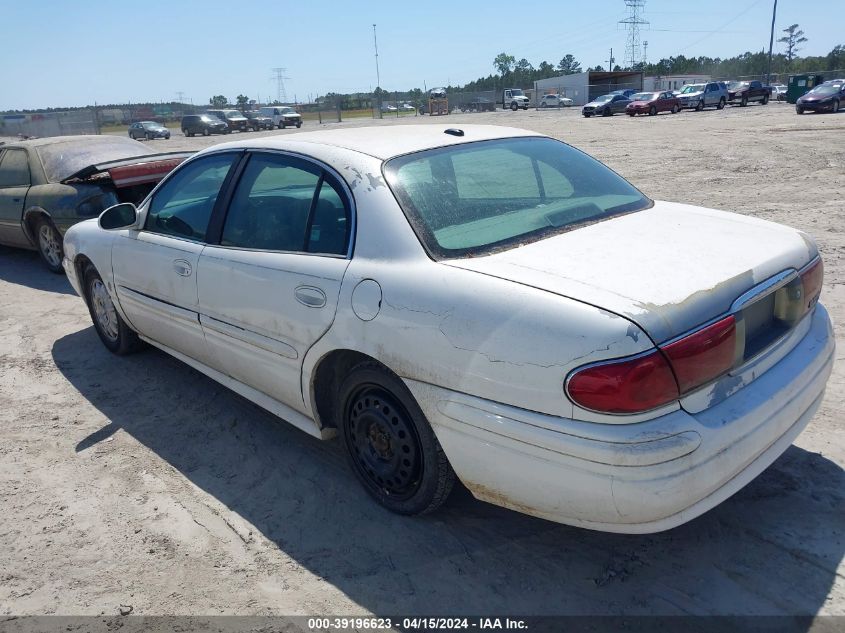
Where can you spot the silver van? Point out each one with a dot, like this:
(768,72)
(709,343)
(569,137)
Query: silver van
(282,116)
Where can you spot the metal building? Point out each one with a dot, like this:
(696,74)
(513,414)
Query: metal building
(584,87)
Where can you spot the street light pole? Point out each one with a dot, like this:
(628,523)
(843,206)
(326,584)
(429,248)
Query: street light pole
(771,43)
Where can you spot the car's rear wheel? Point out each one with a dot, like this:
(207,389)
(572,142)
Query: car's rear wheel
(652,111)
(49,243)
(389,443)
(111,328)
(675,109)
(205,131)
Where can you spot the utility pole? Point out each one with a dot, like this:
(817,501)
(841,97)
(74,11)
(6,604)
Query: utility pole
(771,43)
(378,76)
(610,61)
(632,24)
(180,99)
(279,78)
(645,52)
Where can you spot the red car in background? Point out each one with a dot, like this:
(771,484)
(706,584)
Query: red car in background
(653,102)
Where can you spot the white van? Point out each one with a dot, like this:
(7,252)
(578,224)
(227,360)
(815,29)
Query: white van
(282,116)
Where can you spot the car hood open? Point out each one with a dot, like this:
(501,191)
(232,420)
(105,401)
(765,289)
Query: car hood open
(669,268)
(130,171)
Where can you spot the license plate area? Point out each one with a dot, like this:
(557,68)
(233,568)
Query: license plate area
(767,318)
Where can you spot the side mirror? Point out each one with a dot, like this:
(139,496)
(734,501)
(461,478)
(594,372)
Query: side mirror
(120,216)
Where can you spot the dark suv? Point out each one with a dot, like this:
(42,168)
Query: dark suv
(233,118)
(204,124)
(258,121)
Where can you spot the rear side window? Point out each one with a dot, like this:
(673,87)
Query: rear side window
(282,204)
(14,168)
(182,206)
(473,199)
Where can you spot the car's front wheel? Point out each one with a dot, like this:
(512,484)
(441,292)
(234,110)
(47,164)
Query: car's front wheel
(111,328)
(49,243)
(721,104)
(389,443)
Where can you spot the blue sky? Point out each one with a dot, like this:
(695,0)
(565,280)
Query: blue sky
(57,53)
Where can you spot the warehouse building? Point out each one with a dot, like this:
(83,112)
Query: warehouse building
(584,87)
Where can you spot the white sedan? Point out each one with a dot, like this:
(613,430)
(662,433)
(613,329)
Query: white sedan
(484,304)
(555,101)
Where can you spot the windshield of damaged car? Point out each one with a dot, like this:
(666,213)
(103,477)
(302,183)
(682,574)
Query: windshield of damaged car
(63,159)
(692,88)
(477,198)
(737,85)
(644,96)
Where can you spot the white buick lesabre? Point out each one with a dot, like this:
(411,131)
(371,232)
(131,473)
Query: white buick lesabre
(484,303)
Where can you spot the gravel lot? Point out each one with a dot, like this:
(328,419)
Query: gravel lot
(138,481)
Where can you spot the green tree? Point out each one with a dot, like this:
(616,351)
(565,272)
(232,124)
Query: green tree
(794,36)
(568,65)
(243,102)
(504,63)
(218,101)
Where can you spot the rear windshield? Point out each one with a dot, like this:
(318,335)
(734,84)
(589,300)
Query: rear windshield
(63,159)
(477,198)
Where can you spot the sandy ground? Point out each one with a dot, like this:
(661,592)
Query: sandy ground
(137,481)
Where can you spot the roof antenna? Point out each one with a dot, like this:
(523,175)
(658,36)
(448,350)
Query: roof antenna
(454,131)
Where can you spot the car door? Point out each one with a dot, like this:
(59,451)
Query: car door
(155,269)
(15,180)
(269,289)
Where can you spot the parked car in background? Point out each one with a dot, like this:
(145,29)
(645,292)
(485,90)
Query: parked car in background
(283,116)
(779,92)
(745,92)
(703,95)
(236,121)
(258,121)
(388,107)
(824,98)
(204,124)
(555,101)
(148,130)
(478,104)
(407,107)
(627,92)
(652,103)
(514,99)
(49,184)
(606,105)
(649,358)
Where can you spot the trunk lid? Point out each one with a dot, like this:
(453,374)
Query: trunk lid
(668,269)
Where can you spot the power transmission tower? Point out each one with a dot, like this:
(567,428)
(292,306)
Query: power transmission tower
(645,52)
(632,24)
(279,78)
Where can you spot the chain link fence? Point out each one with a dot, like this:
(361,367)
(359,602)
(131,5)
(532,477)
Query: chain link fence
(49,124)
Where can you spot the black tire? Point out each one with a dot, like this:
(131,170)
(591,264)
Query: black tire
(699,106)
(281,125)
(675,109)
(299,125)
(632,114)
(721,104)
(652,111)
(744,101)
(48,240)
(389,443)
(205,131)
(148,136)
(835,106)
(514,106)
(118,337)
(586,116)
(799,109)
(185,132)
(132,136)
(765,100)
(607,112)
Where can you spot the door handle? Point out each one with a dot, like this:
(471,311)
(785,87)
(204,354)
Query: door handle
(182,267)
(310,296)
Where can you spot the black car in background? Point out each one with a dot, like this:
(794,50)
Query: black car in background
(828,97)
(148,130)
(258,121)
(204,124)
(233,118)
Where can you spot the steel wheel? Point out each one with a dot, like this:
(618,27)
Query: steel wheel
(384,442)
(50,246)
(104,311)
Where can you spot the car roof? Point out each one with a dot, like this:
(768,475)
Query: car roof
(53,140)
(386,141)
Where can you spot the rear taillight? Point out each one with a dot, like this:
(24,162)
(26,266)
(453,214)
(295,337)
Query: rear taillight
(811,282)
(703,355)
(646,382)
(624,386)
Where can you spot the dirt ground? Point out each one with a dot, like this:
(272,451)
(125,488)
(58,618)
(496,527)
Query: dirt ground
(138,481)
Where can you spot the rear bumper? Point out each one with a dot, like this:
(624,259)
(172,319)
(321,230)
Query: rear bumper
(631,478)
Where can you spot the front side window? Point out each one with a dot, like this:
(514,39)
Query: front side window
(282,204)
(14,169)
(182,206)
(476,198)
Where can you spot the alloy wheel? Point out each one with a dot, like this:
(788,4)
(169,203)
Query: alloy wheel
(50,244)
(104,310)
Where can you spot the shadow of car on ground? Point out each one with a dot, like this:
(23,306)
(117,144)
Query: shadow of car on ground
(25,268)
(773,548)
